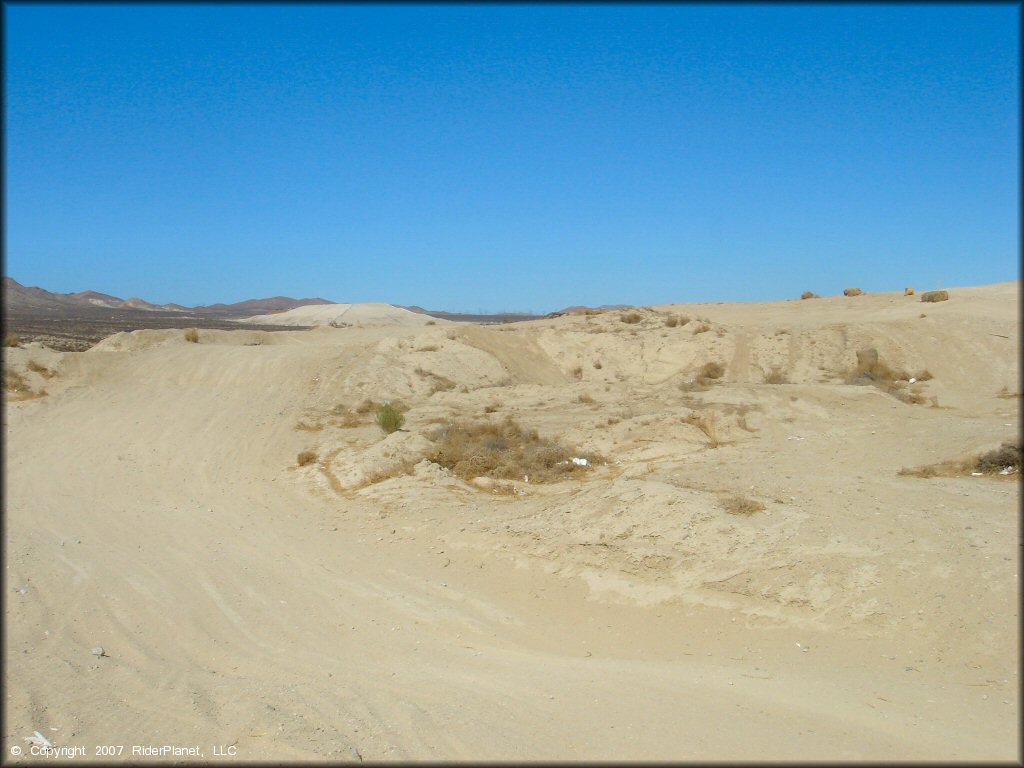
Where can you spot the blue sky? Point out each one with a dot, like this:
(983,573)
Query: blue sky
(510,157)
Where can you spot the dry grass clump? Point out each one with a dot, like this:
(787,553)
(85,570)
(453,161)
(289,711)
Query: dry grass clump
(776,376)
(702,328)
(992,462)
(708,373)
(306,457)
(349,420)
(1006,394)
(738,505)
(389,419)
(42,370)
(501,450)
(908,291)
(366,406)
(14,381)
(809,295)
(707,423)
(192,335)
(586,399)
(577,372)
(671,321)
(431,322)
(932,296)
(12,340)
(428,348)
(631,318)
(598,365)
(852,291)
(491,408)
(1006,455)
(304,426)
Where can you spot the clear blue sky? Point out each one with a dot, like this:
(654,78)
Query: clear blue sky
(510,157)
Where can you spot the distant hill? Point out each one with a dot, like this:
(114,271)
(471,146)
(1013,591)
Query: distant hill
(20,298)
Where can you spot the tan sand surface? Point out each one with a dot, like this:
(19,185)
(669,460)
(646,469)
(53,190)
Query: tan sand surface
(368,313)
(373,605)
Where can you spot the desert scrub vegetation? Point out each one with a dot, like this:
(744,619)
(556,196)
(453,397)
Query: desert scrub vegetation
(389,419)
(809,295)
(585,399)
(708,373)
(192,335)
(776,376)
(1004,459)
(305,457)
(503,450)
(631,318)
(933,296)
(439,383)
(852,291)
(739,505)
(870,369)
(709,424)
(304,426)
(12,340)
(702,328)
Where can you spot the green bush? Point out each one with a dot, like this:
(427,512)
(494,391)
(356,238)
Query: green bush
(389,419)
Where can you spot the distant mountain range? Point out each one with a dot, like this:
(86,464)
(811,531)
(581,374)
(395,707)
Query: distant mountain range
(18,297)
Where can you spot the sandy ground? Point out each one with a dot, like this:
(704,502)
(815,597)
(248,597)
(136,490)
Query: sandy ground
(344,315)
(154,508)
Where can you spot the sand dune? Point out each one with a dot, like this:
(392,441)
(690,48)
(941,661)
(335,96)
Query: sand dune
(375,605)
(344,315)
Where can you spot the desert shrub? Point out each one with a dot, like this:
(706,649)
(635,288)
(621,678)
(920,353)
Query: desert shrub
(491,408)
(702,328)
(585,399)
(306,457)
(671,321)
(388,418)
(598,365)
(349,420)
(632,318)
(428,348)
(431,322)
(42,370)
(932,296)
(577,372)
(924,376)
(738,505)
(852,291)
(192,335)
(12,340)
(502,450)
(303,426)
(366,406)
(1007,455)
(776,376)
(908,291)
(809,295)
(708,424)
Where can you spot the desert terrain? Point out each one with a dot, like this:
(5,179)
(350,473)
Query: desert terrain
(711,553)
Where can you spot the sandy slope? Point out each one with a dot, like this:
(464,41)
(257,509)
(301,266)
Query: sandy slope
(345,315)
(154,508)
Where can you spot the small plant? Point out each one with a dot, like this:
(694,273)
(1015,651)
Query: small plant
(389,419)
(303,426)
(192,335)
(12,340)
(852,291)
(776,376)
(738,505)
(585,399)
(493,407)
(702,328)
(809,295)
(431,322)
(306,457)
(631,318)
(932,296)
(577,372)
(908,291)
(1007,455)
(598,365)
(708,424)
(671,321)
